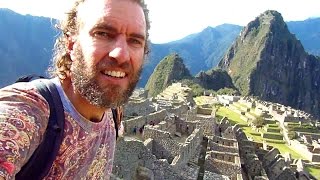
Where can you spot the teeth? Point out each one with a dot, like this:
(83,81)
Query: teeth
(117,74)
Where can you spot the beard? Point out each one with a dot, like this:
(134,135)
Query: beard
(84,81)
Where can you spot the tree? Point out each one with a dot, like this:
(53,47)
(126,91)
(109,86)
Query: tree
(258,122)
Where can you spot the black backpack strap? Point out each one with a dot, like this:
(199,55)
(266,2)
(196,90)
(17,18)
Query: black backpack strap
(115,117)
(28,78)
(42,159)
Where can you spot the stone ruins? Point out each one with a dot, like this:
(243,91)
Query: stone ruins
(169,137)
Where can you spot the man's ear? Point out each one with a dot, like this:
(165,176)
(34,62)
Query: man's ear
(70,44)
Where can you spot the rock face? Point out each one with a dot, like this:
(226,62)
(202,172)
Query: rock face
(170,69)
(214,79)
(268,61)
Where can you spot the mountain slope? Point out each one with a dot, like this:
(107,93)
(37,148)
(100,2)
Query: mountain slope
(214,79)
(200,51)
(26,44)
(268,61)
(308,32)
(170,69)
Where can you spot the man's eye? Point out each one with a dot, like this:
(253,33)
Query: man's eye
(135,42)
(103,34)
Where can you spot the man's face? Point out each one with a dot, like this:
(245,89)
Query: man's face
(108,51)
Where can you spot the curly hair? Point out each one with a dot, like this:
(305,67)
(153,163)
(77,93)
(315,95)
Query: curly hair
(61,61)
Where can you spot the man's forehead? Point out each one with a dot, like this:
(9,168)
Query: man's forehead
(97,11)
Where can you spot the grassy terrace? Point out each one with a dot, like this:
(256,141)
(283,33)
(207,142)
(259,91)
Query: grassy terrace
(303,128)
(234,118)
(240,105)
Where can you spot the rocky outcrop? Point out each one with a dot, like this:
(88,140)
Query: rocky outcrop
(214,79)
(268,61)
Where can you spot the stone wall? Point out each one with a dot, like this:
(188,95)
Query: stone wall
(138,108)
(215,165)
(270,156)
(185,127)
(314,136)
(228,133)
(207,123)
(214,176)
(140,121)
(224,141)
(275,165)
(187,150)
(213,146)
(134,161)
(225,156)
(276,168)
(253,165)
(130,155)
(205,111)
(224,124)
(287,174)
(178,110)
(303,149)
(162,170)
(164,147)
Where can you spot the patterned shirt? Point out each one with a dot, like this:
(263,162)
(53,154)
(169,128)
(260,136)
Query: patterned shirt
(87,149)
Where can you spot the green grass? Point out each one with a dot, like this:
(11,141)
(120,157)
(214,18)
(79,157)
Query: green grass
(234,118)
(240,105)
(283,148)
(314,171)
(199,100)
(303,128)
(273,126)
(252,114)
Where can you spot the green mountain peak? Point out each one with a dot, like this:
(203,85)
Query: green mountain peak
(267,61)
(171,68)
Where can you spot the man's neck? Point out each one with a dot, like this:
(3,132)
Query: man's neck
(87,110)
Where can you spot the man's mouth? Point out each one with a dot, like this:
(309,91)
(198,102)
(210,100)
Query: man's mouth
(116,74)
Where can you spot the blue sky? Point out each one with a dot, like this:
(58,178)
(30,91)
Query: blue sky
(175,19)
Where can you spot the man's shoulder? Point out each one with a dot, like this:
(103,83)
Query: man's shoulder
(22,93)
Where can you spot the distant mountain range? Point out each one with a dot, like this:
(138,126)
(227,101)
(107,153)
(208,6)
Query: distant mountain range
(26,44)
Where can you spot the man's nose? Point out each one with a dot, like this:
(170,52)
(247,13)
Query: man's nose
(120,50)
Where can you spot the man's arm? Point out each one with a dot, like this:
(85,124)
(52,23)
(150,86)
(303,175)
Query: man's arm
(23,120)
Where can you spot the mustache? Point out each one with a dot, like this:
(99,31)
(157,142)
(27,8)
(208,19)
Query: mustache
(106,64)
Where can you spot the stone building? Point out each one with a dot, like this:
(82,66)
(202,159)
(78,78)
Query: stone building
(179,141)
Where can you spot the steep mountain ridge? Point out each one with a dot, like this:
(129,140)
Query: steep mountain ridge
(268,61)
(170,69)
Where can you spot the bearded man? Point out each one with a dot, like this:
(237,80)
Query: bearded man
(97,63)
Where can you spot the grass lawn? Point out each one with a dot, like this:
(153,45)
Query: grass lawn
(314,171)
(200,100)
(239,105)
(234,118)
